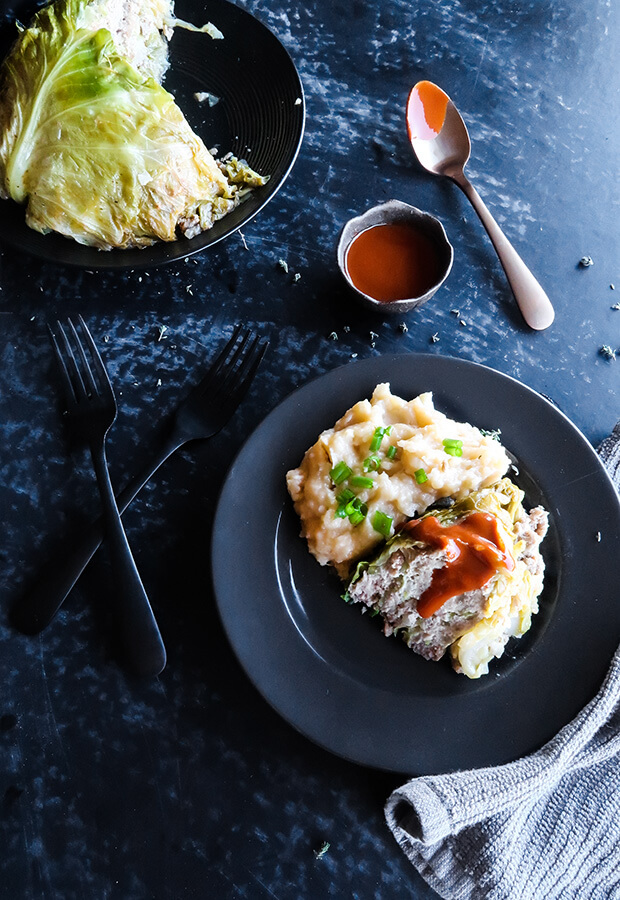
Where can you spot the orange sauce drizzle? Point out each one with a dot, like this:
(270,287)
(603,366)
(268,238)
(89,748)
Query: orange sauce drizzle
(475,551)
(426,110)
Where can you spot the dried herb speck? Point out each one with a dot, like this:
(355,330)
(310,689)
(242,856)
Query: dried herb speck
(607,352)
(322,850)
(586,261)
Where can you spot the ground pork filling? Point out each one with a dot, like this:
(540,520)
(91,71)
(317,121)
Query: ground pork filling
(394,588)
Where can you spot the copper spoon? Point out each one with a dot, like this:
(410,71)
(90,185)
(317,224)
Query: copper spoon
(441,143)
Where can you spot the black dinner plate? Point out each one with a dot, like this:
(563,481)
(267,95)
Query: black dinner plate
(260,117)
(329,670)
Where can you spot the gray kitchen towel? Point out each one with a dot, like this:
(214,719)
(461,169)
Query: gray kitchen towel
(546,827)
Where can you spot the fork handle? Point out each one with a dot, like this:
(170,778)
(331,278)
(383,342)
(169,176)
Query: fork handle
(139,630)
(37,607)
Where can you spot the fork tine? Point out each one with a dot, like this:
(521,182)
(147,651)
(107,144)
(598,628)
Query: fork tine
(219,365)
(101,371)
(246,371)
(67,382)
(229,369)
(69,364)
(85,371)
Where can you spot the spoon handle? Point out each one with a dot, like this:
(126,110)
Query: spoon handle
(533,302)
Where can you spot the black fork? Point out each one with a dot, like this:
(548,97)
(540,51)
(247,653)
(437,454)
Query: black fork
(91,409)
(206,409)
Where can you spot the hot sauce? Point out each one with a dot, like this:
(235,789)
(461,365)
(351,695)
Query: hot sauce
(475,551)
(426,111)
(393,262)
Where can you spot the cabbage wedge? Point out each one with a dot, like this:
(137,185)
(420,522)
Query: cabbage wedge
(92,144)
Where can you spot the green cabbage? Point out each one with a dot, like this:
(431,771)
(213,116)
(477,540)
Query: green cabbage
(96,148)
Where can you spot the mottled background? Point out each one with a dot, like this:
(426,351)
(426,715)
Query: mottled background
(190,785)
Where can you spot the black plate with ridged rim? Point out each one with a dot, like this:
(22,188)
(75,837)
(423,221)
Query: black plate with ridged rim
(329,670)
(259,116)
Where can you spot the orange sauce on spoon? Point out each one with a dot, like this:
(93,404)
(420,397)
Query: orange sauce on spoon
(426,111)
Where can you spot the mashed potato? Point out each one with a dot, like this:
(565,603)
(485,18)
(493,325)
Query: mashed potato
(405,480)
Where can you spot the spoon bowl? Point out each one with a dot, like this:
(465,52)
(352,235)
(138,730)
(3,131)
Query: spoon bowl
(441,142)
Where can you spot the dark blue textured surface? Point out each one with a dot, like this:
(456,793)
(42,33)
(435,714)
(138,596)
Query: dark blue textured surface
(190,786)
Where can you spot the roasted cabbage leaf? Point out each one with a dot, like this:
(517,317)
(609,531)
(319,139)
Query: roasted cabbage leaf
(92,144)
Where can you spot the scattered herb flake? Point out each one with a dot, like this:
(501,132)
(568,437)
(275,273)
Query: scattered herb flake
(296,277)
(607,352)
(462,322)
(161,332)
(283,265)
(616,306)
(434,337)
(322,850)
(598,536)
(373,335)
(586,261)
(346,328)
(332,336)
(403,328)
(494,433)
(456,312)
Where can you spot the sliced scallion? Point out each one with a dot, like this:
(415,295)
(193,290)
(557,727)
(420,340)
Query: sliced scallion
(376,439)
(344,496)
(340,472)
(372,463)
(361,481)
(420,476)
(391,451)
(382,523)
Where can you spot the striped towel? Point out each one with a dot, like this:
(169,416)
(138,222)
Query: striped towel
(546,827)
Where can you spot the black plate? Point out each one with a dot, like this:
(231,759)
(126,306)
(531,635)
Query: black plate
(260,116)
(330,671)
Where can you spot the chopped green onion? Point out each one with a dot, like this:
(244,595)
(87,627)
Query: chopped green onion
(420,476)
(454,451)
(340,512)
(356,517)
(391,451)
(377,438)
(360,481)
(382,523)
(452,442)
(372,463)
(344,496)
(340,472)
